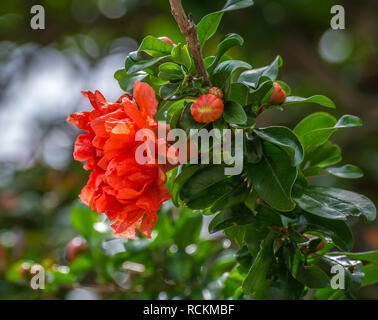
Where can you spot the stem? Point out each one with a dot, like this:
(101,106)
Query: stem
(189,30)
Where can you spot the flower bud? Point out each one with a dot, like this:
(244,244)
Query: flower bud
(75,247)
(167,40)
(278,95)
(207,108)
(216,92)
(24,269)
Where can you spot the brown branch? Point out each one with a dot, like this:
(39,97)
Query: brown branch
(189,30)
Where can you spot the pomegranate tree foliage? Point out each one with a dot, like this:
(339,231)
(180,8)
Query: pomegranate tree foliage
(285,226)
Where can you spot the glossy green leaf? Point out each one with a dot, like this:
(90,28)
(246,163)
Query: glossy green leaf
(253,148)
(126,81)
(238,93)
(174,113)
(347,171)
(234,113)
(168,90)
(251,77)
(224,71)
(185,172)
(181,55)
(256,280)
(172,69)
(229,41)
(206,186)
(319,99)
(321,156)
(273,177)
(236,196)
(370,274)
(370,256)
(284,138)
(256,96)
(133,66)
(318,127)
(208,25)
(334,203)
(237,215)
(155,47)
(312,276)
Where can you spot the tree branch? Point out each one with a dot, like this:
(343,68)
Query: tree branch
(189,30)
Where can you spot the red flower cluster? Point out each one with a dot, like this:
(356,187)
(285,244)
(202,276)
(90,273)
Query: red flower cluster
(129,193)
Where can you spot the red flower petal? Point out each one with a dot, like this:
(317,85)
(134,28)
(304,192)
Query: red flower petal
(145,98)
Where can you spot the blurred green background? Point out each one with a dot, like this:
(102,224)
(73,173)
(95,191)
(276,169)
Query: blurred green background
(41,75)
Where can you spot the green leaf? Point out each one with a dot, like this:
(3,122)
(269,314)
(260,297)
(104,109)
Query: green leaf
(174,113)
(224,71)
(312,276)
(83,218)
(206,186)
(284,138)
(371,274)
(134,63)
(254,149)
(256,280)
(334,203)
(230,199)
(319,99)
(337,230)
(237,4)
(182,176)
(370,256)
(168,90)
(155,47)
(208,25)
(234,113)
(256,97)
(229,41)
(181,55)
(234,216)
(283,286)
(238,93)
(318,127)
(321,156)
(347,171)
(171,69)
(251,77)
(273,177)
(126,81)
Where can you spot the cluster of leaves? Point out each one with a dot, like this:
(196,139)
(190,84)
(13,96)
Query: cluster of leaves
(285,226)
(176,263)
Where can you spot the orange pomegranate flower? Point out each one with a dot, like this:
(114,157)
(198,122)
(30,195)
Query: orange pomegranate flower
(207,108)
(129,193)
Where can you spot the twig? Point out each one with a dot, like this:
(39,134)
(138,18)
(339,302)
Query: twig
(189,30)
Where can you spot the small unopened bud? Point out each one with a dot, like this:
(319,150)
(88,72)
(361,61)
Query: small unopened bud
(24,269)
(75,247)
(216,92)
(278,95)
(167,40)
